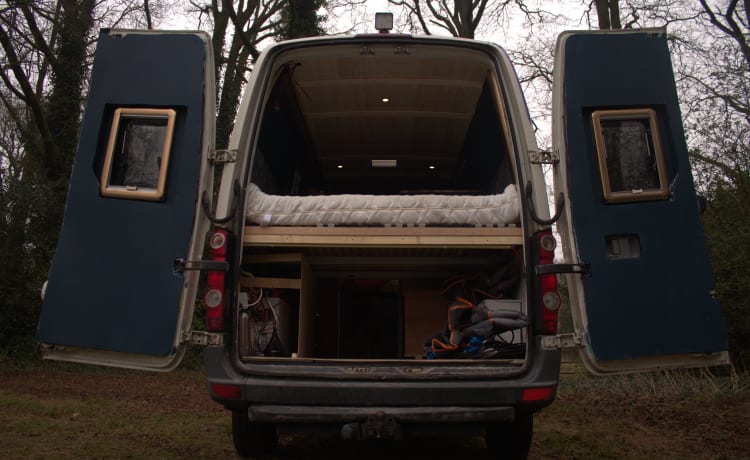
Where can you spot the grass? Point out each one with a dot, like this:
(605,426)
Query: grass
(68,411)
(53,410)
(671,414)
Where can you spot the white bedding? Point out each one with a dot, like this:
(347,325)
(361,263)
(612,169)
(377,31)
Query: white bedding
(376,210)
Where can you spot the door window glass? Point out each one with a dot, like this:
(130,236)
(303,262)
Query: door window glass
(631,161)
(135,165)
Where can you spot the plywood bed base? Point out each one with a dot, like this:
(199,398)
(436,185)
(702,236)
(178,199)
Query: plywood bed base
(373,237)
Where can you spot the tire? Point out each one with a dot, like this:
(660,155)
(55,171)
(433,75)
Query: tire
(510,440)
(252,439)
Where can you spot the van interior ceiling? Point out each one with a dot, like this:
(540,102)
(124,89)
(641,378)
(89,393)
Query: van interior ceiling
(376,120)
(382,120)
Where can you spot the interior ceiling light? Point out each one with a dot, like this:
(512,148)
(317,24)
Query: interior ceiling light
(385,99)
(431,166)
(384,163)
(340,166)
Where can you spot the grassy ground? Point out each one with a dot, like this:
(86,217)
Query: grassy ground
(71,412)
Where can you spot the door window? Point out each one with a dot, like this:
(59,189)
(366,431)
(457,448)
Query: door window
(631,161)
(135,165)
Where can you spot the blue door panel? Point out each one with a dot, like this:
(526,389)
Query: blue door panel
(111,285)
(661,302)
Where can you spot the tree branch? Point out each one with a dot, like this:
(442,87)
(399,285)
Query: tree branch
(724,168)
(28,92)
(39,41)
(732,29)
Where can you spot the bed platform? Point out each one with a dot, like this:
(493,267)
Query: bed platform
(387,221)
(386,237)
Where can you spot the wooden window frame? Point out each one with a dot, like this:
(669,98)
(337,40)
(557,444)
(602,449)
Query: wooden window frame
(621,196)
(133,192)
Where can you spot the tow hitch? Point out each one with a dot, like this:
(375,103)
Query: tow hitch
(377,427)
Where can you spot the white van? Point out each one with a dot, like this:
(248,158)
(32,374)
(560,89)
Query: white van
(379,254)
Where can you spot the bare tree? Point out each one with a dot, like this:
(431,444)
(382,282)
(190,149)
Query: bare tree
(346,16)
(42,68)
(608,13)
(717,80)
(237,33)
(459,18)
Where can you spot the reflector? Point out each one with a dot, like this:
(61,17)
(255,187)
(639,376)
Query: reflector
(536,394)
(551,300)
(213,298)
(217,240)
(226,391)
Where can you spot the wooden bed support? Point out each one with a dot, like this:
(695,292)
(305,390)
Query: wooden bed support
(304,284)
(393,238)
(373,237)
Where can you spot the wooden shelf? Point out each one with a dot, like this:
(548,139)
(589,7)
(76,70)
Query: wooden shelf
(416,237)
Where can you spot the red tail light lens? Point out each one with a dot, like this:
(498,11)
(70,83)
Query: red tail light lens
(550,298)
(226,391)
(536,394)
(214,296)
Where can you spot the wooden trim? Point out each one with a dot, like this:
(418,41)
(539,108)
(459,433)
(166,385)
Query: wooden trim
(620,196)
(270,283)
(126,191)
(456,237)
(306,333)
(282,258)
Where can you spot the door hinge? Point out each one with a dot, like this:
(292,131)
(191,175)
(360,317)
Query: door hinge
(556,342)
(547,157)
(203,338)
(222,156)
(583,268)
(181,265)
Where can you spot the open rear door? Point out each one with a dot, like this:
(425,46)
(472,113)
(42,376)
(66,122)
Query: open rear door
(113,295)
(632,219)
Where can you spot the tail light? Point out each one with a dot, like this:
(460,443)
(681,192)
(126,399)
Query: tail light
(550,298)
(226,391)
(537,394)
(214,296)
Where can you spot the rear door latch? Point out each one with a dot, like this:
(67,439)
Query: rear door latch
(556,342)
(583,268)
(179,266)
(203,338)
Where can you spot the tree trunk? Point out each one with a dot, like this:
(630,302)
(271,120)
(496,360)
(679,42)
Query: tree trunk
(608,14)
(465,23)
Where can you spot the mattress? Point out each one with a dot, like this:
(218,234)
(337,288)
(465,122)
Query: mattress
(378,210)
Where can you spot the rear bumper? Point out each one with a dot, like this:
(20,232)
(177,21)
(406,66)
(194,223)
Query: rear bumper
(312,400)
(344,414)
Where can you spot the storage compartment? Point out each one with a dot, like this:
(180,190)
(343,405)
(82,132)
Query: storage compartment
(382,194)
(382,304)
(371,315)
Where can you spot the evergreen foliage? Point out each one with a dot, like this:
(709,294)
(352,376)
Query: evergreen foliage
(300,18)
(726,221)
(36,163)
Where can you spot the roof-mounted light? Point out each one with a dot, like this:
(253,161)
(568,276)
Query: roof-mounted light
(384,22)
